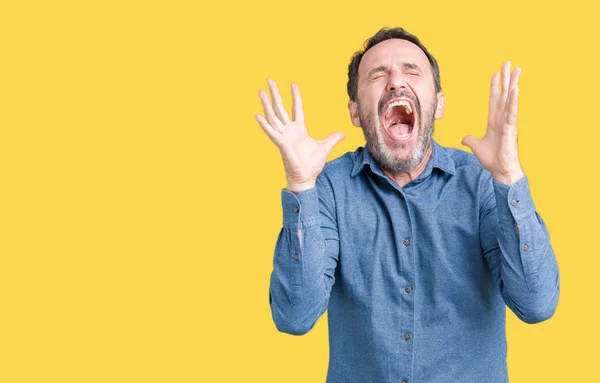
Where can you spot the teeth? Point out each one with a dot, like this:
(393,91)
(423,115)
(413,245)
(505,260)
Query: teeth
(398,103)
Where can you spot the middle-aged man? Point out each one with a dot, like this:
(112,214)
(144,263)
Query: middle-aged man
(414,249)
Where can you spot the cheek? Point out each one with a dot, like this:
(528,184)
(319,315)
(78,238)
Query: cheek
(366,100)
(369,109)
(371,94)
(427,99)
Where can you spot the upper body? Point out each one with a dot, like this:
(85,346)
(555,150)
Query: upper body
(415,279)
(414,249)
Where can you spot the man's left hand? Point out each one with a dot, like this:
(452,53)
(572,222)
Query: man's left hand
(497,151)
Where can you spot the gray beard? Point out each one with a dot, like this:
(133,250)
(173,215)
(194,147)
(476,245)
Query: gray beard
(383,155)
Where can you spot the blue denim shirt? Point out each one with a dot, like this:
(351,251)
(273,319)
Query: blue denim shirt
(415,279)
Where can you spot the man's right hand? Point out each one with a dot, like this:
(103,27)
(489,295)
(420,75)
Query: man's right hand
(303,157)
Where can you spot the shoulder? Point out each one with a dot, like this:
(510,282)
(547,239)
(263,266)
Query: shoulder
(337,173)
(462,158)
(465,162)
(471,177)
(467,168)
(343,165)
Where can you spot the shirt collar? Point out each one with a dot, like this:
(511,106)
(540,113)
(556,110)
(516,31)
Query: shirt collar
(439,159)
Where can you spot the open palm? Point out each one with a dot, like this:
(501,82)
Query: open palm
(497,151)
(303,157)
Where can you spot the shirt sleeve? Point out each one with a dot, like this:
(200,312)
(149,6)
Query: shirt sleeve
(516,245)
(306,256)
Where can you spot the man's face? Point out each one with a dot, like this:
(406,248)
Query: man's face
(396,104)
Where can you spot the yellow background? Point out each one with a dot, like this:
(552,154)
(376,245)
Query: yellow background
(140,200)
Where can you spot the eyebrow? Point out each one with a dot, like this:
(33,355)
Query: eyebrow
(411,66)
(406,65)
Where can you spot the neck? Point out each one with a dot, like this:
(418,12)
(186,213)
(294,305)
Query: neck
(402,178)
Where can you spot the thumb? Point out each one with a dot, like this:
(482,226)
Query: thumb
(332,140)
(471,142)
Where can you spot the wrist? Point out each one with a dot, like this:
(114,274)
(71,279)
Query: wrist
(300,187)
(508,178)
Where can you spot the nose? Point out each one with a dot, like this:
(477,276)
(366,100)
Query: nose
(397,81)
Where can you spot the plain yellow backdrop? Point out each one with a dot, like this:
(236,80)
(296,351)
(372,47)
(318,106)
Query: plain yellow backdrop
(140,200)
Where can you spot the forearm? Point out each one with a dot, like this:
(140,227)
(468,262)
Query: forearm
(302,273)
(528,267)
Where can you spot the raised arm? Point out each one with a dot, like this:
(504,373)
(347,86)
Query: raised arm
(514,238)
(307,248)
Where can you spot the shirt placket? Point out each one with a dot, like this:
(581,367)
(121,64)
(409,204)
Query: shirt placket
(405,245)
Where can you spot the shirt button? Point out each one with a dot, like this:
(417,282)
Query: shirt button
(406,242)
(525,247)
(405,381)
(296,257)
(408,289)
(406,336)
(295,210)
(513,202)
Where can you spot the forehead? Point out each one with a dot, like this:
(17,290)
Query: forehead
(393,52)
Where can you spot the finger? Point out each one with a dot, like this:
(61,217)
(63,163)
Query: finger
(514,83)
(274,135)
(297,109)
(277,104)
(494,92)
(332,140)
(511,115)
(470,142)
(269,113)
(505,83)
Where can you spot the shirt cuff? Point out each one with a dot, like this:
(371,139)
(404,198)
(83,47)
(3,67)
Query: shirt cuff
(300,210)
(513,202)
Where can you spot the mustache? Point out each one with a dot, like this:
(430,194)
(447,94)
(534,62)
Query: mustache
(404,94)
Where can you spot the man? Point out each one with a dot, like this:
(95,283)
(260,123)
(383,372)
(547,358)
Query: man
(413,248)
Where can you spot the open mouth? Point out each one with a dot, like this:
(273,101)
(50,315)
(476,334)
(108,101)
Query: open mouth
(399,119)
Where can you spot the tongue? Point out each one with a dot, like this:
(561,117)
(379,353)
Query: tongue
(399,130)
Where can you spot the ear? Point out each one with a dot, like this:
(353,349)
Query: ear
(441,105)
(353,108)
